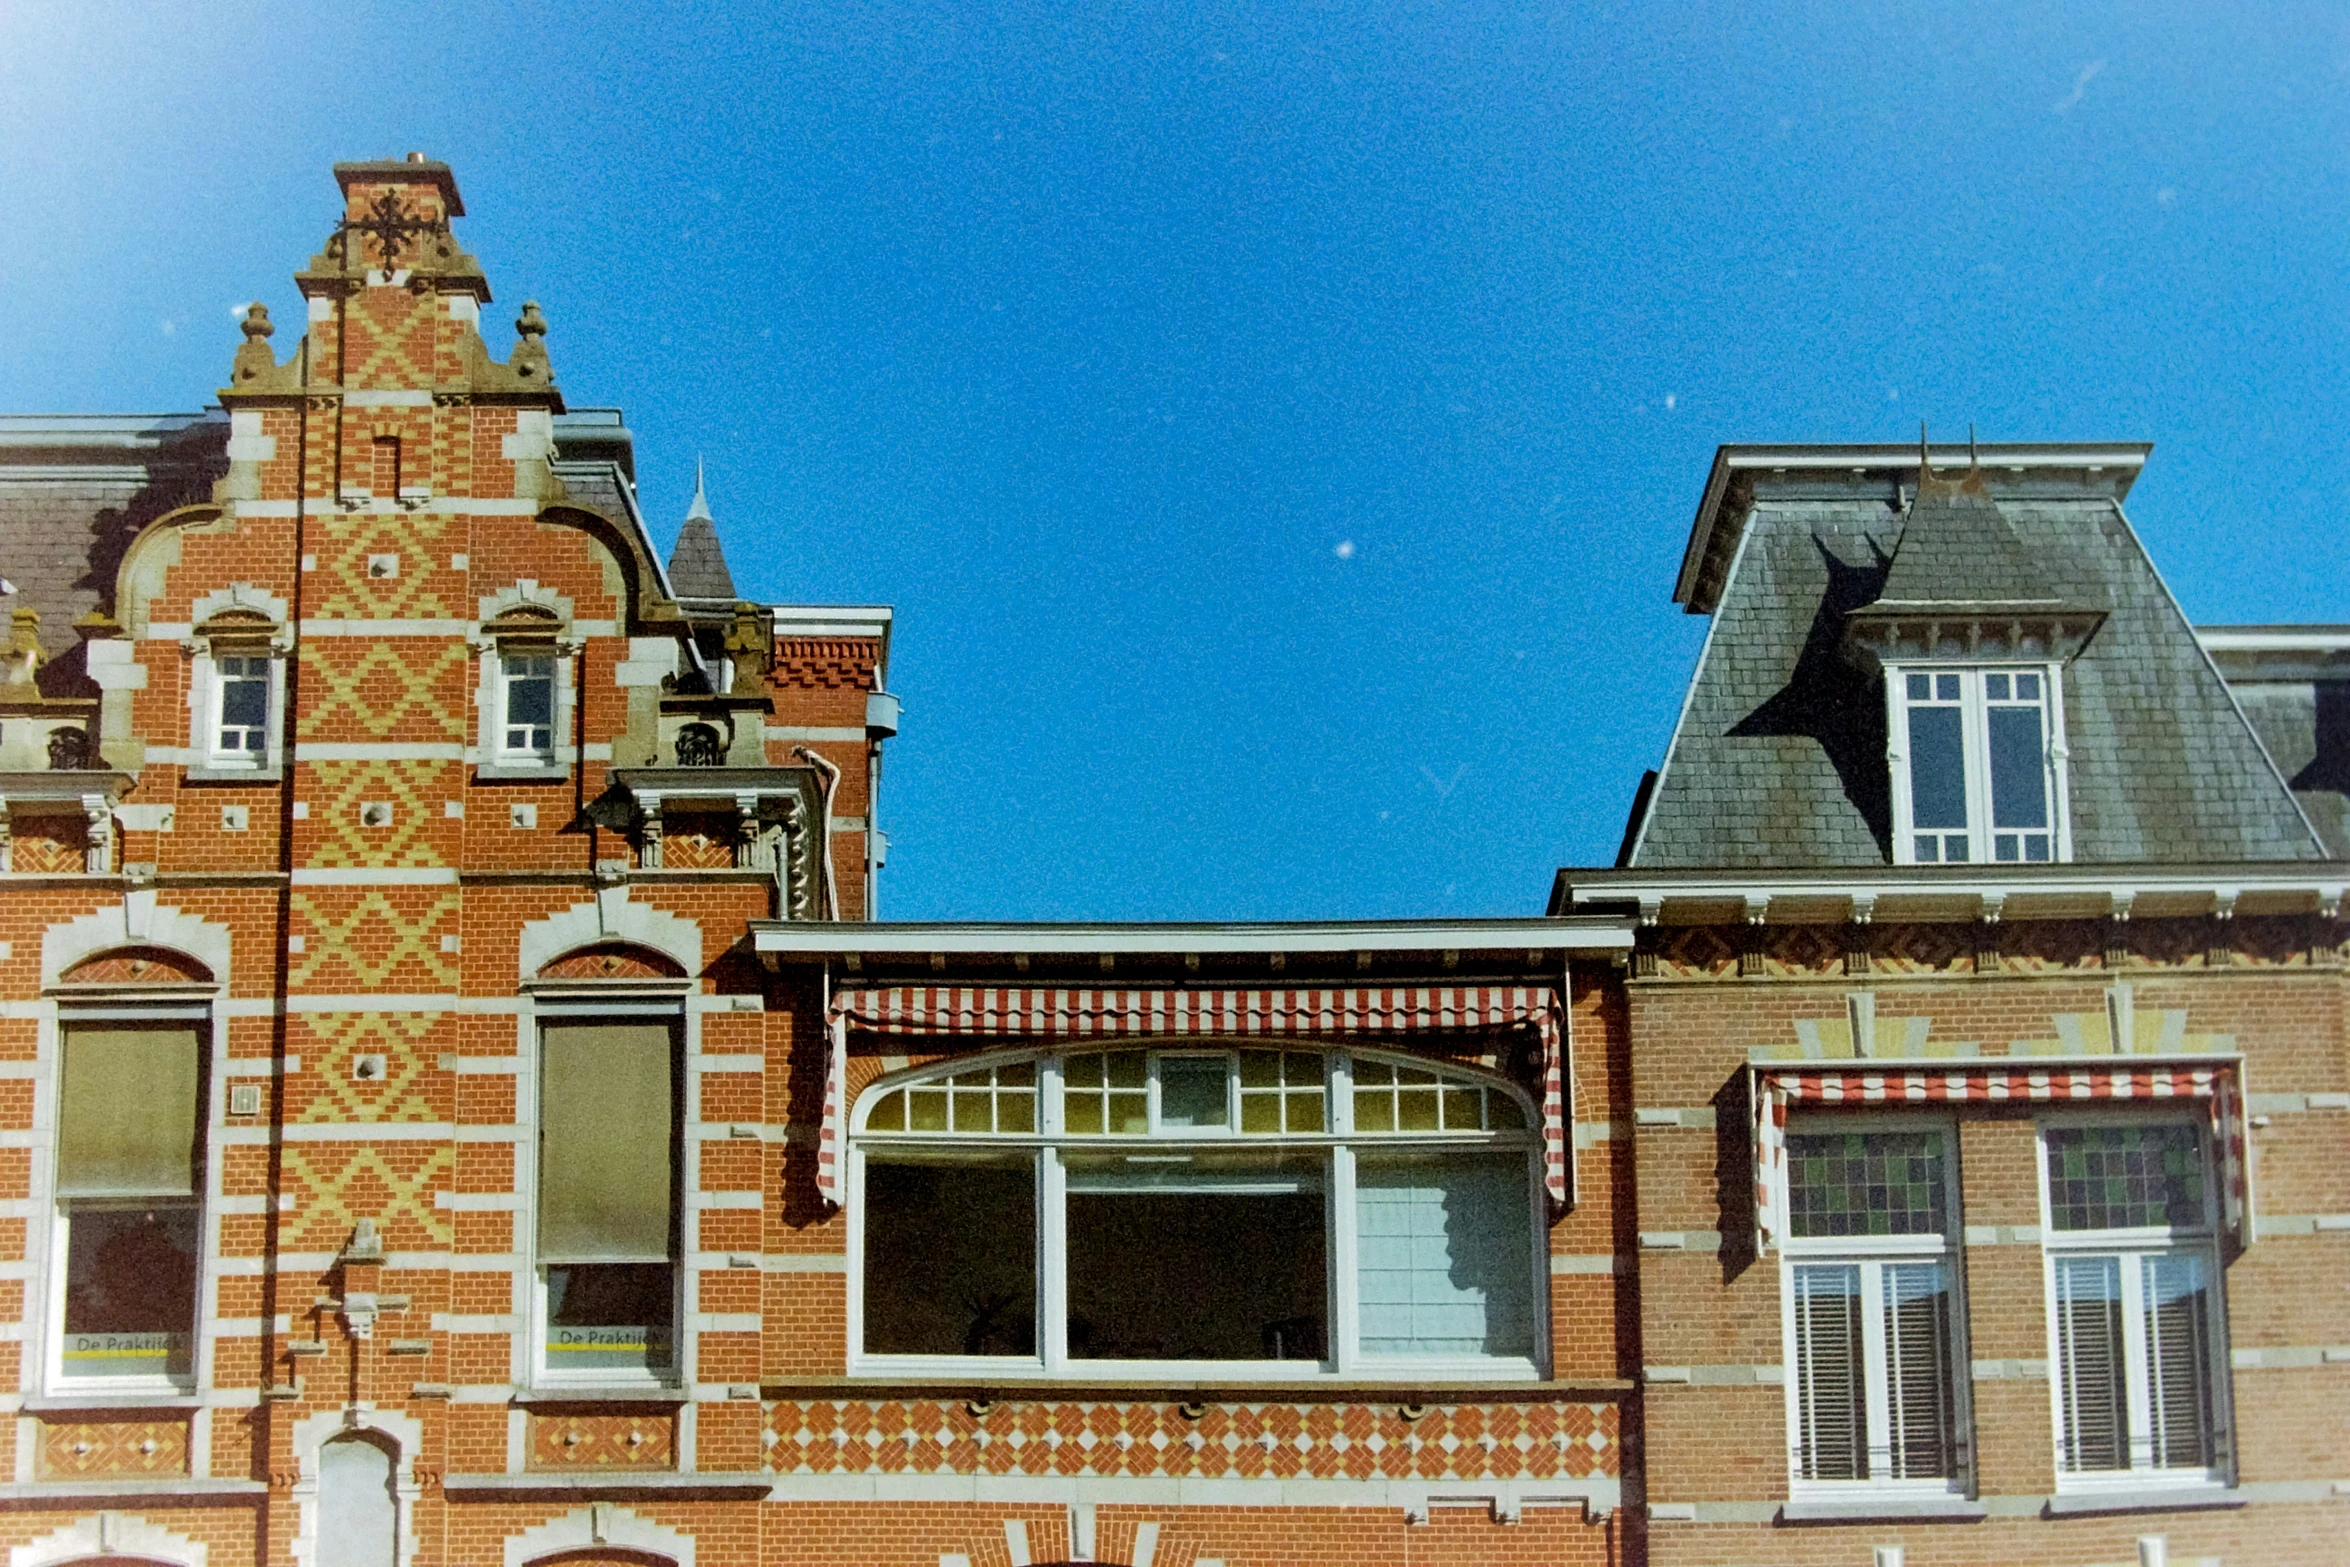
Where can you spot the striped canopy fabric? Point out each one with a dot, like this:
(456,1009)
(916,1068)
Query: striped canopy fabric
(1774,1089)
(1065,1017)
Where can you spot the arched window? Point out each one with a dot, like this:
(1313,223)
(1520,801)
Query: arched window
(358,1509)
(1277,1212)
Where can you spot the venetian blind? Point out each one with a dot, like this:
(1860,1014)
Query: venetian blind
(127,1121)
(1832,1400)
(1917,1354)
(2091,1368)
(607,1167)
(2178,1360)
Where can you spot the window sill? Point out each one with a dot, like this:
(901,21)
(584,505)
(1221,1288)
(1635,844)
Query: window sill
(1029,1384)
(611,1479)
(1859,1509)
(2145,1499)
(47,1403)
(522,772)
(174,1485)
(604,1393)
(270,774)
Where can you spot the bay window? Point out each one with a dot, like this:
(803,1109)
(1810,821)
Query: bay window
(1977,763)
(1872,1319)
(1140,1212)
(129,1148)
(607,1199)
(2134,1303)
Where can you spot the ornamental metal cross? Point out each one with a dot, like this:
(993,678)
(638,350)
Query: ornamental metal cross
(391,225)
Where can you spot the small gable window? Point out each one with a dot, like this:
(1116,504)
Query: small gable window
(1977,766)
(526,680)
(240,690)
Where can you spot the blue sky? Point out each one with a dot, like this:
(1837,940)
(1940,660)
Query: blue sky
(1277,427)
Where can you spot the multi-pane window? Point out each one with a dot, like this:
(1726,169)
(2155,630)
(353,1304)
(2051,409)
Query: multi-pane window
(607,1199)
(239,731)
(526,684)
(1975,772)
(1301,1212)
(2134,1302)
(1872,1313)
(129,1146)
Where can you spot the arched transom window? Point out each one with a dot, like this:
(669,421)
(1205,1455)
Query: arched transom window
(1273,1212)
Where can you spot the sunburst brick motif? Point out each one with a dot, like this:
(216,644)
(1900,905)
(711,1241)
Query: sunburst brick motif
(400,691)
(133,1444)
(138,966)
(370,939)
(601,1441)
(1543,1441)
(391,1183)
(332,1088)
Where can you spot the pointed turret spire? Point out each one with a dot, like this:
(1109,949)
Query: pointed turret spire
(697,567)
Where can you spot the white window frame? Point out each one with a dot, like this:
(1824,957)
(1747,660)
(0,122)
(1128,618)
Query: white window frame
(1345,1359)
(509,754)
(207,687)
(569,1006)
(2132,1245)
(493,761)
(1871,1254)
(211,1086)
(1974,726)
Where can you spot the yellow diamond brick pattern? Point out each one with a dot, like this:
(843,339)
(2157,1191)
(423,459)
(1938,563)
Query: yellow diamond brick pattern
(356,942)
(344,787)
(339,1184)
(401,1038)
(383,690)
(347,592)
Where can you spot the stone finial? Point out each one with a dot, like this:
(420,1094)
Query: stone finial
(531,324)
(254,362)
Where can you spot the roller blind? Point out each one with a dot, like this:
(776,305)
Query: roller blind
(127,1121)
(607,1167)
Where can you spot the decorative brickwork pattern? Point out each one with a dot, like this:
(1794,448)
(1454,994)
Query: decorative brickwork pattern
(1235,1442)
(602,1441)
(130,1445)
(138,966)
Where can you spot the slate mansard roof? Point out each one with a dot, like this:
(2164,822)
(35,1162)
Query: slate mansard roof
(1778,759)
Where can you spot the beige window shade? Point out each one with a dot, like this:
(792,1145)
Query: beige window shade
(127,1121)
(607,1169)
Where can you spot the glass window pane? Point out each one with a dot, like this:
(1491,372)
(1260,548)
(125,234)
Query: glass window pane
(607,1140)
(1015,1112)
(1192,1092)
(950,1256)
(1374,1110)
(2125,1177)
(1831,1438)
(1937,768)
(1260,1069)
(889,1115)
(1946,688)
(1865,1183)
(1444,1254)
(2027,688)
(1921,688)
(2019,768)
(1462,1112)
(244,699)
(1126,1068)
(1082,1115)
(926,1109)
(2090,1372)
(1260,1112)
(1130,1114)
(130,1291)
(1212,1259)
(610,1317)
(1305,1110)
(1416,1109)
(1995,688)
(128,1114)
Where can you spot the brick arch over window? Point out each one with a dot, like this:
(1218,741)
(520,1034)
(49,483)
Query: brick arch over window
(613,960)
(138,966)
(110,1539)
(602,1534)
(140,920)
(611,920)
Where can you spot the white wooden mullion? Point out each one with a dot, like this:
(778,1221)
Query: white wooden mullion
(1052,1263)
(1345,1263)
(1874,1358)
(2136,1381)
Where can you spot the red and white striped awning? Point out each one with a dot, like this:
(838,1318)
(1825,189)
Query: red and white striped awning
(1064,1017)
(1774,1088)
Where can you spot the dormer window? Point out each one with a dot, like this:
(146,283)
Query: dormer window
(1977,760)
(526,686)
